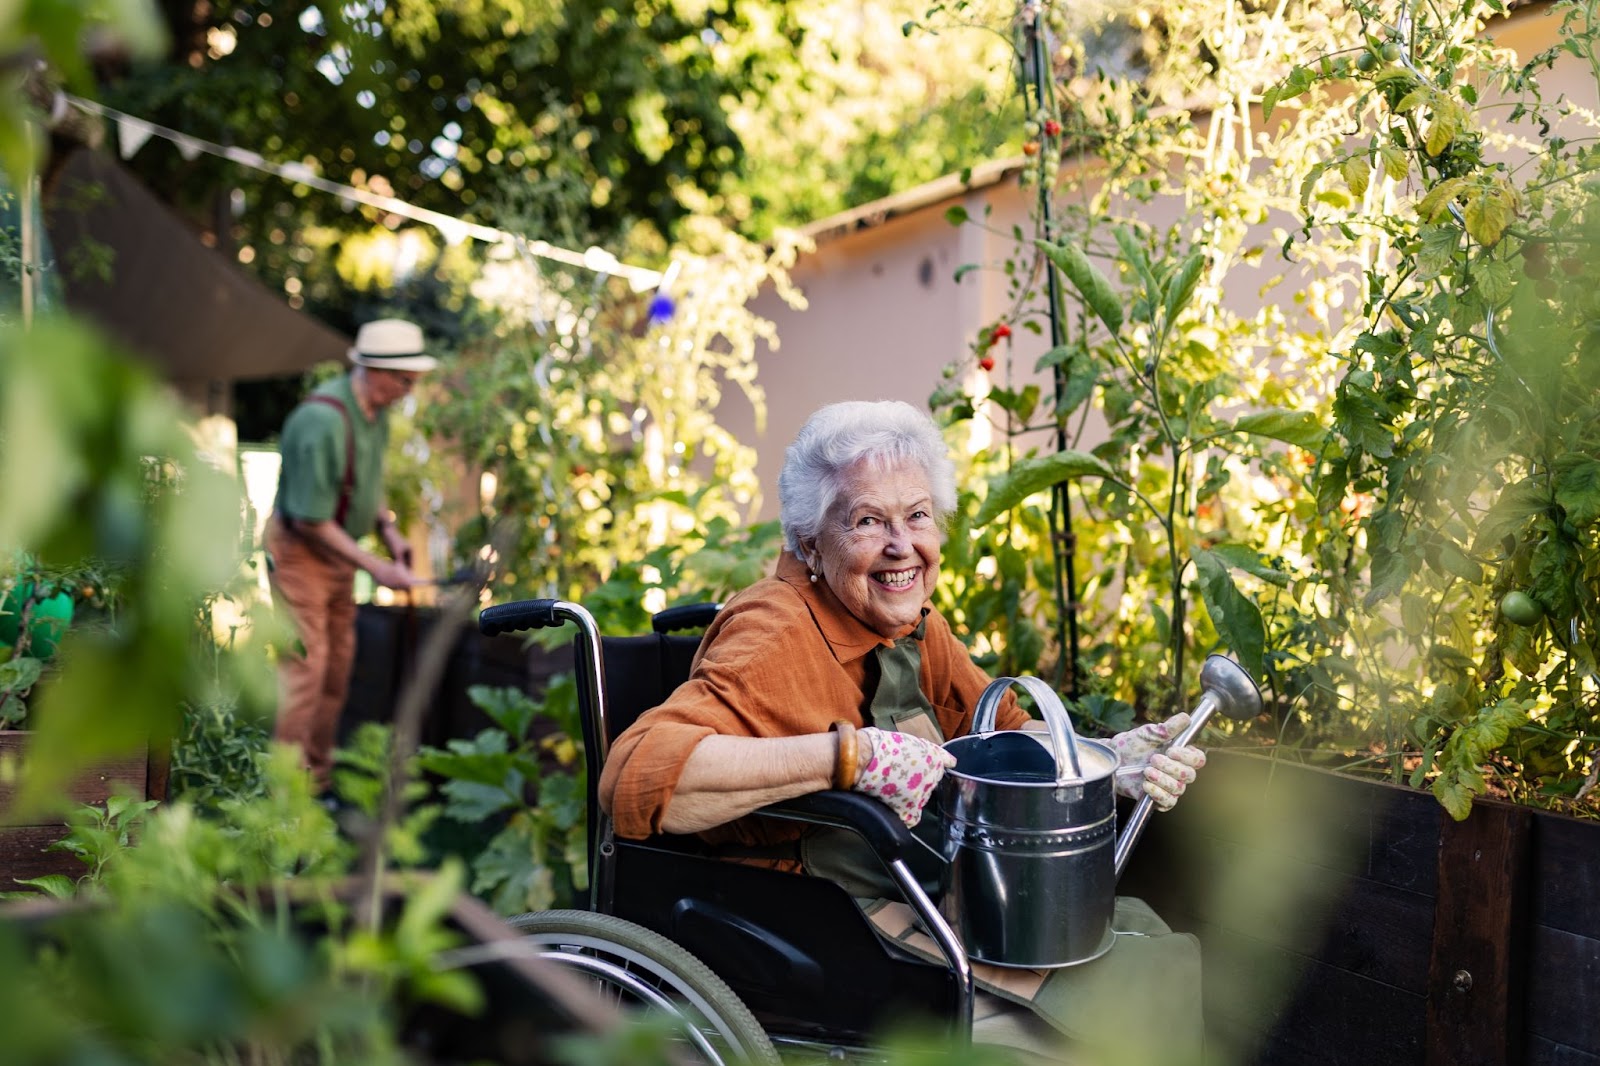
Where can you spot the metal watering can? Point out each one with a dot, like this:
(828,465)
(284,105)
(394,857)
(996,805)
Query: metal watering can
(1028,832)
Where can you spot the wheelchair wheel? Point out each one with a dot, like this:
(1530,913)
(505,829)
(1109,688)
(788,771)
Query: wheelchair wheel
(639,968)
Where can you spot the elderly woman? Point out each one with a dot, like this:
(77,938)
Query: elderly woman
(835,672)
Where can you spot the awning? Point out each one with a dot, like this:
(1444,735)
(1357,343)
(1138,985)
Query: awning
(185,308)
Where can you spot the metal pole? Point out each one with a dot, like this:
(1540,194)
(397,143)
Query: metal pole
(1062,542)
(27,203)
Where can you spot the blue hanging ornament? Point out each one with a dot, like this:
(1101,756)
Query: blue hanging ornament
(661,309)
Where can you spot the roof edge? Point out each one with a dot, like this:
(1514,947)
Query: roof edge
(876,212)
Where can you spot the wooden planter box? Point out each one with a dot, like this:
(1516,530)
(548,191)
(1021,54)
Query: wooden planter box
(1350,921)
(24,847)
(387,639)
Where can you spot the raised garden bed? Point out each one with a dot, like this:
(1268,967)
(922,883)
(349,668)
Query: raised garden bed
(1353,921)
(25,846)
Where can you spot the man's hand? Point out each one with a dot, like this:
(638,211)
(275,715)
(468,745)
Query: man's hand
(1145,771)
(390,574)
(900,769)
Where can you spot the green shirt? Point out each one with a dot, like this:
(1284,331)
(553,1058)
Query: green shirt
(313,453)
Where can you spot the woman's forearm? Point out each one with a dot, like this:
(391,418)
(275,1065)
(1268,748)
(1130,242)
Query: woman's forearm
(728,777)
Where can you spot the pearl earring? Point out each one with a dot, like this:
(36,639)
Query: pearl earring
(813,577)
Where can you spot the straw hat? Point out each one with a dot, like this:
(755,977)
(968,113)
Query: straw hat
(391,344)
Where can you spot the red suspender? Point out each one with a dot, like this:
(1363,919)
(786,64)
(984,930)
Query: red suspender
(347,488)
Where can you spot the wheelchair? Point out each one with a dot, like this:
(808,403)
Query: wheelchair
(748,960)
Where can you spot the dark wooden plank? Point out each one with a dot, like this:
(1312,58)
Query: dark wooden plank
(1542,1052)
(1480,933)
(1349,922)
(23,855)
(1566,873)
(1563,989)
(158,771)
(1385,832)
(125,773)
(1268,1006)
(1403,839)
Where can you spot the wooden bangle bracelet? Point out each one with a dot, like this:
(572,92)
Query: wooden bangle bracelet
(844,767)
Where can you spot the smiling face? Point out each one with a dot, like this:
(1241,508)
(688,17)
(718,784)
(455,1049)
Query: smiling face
(390,386)
(879,546)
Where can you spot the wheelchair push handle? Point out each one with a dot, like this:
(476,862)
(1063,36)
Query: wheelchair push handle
(527,614)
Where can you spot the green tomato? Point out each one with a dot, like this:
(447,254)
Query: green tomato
(1519,607)
(1390,52)
(1366,61)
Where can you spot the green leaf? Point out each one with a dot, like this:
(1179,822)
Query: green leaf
(1133,254)
(1438,199)
(1269,100)
(1453,795)
(511,708)
(1396,164)
(56,886)
(1578,493)
(1298,81)
(1554,566)
(1517,503)
(1357,171)
(1061,353)
(1438,251)
(1238,621)
(1021,404)
(1247,559)
(1447,120)
(1300,428)
(1090,284)
(469,802)
(962,271)
(20,674)
(1489,211)
(1035,475)
(955,215)
(1180,288)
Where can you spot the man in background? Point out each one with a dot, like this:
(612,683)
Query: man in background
(330,493)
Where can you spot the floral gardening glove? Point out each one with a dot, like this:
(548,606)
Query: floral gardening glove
(900,770)
(1161,775)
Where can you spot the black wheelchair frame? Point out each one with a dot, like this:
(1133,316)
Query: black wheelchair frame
(795,950)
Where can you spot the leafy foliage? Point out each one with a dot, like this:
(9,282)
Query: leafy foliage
(1404,557)
(532,789)
(1463,408)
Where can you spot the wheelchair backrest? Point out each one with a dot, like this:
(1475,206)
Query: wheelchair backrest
(640,673)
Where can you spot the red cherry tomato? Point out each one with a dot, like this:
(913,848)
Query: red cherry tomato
(987,362)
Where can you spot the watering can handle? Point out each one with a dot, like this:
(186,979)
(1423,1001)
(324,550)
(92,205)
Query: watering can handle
(1063,739)
(1228,688)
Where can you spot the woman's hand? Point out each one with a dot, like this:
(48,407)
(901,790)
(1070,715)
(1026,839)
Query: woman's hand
(1145,771)
(900,769)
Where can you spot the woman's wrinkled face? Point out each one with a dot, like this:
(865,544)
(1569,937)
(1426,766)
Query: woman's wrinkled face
(879,546)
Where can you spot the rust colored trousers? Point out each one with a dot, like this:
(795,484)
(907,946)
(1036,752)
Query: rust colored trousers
(318,593)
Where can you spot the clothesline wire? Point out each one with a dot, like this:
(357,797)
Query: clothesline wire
(454,229)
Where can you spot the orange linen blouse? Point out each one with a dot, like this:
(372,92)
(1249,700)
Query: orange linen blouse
(783,658)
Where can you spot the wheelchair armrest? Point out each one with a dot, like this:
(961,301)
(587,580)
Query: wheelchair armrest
(685,616)
(881,827)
